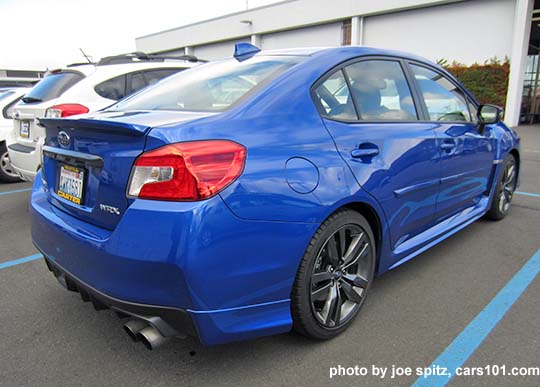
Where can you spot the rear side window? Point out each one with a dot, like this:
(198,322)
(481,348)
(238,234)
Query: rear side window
(152,76)
(444,101)
(141,79)
(136,82)
(380,91)
(335,99)
(53,86)
(113,89)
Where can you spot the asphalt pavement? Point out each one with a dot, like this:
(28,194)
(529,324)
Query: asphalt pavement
(414,315)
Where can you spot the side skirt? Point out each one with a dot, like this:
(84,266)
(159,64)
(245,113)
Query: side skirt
(440,232)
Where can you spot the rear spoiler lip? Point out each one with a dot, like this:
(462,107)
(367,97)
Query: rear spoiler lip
(103,125)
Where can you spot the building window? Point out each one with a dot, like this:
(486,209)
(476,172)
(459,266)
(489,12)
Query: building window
(346,33)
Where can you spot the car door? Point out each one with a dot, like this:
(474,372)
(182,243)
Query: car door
(466,152)
(369,110)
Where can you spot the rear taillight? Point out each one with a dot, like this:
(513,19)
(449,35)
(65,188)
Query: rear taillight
(187,171)
(65,110)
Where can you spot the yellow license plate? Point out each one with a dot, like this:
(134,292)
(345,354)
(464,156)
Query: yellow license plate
(71,183)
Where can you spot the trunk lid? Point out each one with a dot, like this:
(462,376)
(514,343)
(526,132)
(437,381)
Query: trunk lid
(87,160)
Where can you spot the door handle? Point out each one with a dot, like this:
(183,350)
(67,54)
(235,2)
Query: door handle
(365,152)
(447,145)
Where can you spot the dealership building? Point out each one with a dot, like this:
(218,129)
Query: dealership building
(464,31)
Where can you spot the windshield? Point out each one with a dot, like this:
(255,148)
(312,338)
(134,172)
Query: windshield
(52,86)
(212,87)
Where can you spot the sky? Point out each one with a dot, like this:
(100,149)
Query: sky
(41,34)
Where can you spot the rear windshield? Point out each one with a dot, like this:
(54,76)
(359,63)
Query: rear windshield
(52,86)
(211,87)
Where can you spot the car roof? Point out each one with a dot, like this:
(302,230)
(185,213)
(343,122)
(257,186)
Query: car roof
(297,51)
(124,68)
(344,52)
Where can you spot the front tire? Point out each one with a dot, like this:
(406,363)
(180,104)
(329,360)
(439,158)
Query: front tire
(504,192)
(334,276)
(7,173)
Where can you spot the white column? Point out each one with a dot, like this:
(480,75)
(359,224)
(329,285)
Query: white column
(188,51)
(256,40)
(357,30)
(518,60)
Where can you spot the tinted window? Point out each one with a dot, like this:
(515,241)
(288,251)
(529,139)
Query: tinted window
(334,96)
(381,91)
(152,76)
(52,86)
(211,87)
(444,101)
(114,88)
(136,82)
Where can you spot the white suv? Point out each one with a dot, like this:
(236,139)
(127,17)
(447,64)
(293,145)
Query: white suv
(78,89)
(8,98)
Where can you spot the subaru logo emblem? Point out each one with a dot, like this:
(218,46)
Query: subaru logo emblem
(63,139)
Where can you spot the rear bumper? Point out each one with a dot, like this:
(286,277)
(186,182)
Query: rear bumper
(168,321)
(231,277)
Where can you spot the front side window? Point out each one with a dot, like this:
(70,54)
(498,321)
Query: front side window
(381,91)
(444,101)
(473,111)
(211,87)
(334,98)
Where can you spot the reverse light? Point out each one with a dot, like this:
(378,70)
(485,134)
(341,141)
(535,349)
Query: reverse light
(187,171)
(65,110)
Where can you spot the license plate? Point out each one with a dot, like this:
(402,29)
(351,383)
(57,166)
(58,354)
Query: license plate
(25,129)
(71,184)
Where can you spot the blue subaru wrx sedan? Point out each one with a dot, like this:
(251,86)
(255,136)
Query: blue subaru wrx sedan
(249,196)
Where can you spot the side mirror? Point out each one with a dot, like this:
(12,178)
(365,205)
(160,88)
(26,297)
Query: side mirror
(489,114)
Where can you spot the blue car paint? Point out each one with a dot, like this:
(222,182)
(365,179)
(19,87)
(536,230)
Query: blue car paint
(231,260)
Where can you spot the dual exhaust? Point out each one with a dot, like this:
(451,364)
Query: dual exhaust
(139,330)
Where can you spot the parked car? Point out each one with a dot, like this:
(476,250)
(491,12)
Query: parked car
(16,82)
(8,98)
(79,89)
(229,219)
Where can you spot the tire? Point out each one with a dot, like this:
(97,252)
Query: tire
(7,173)
(504,192)
(332,281)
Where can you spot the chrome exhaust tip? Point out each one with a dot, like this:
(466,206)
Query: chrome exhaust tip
(132,328)
(151,338)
